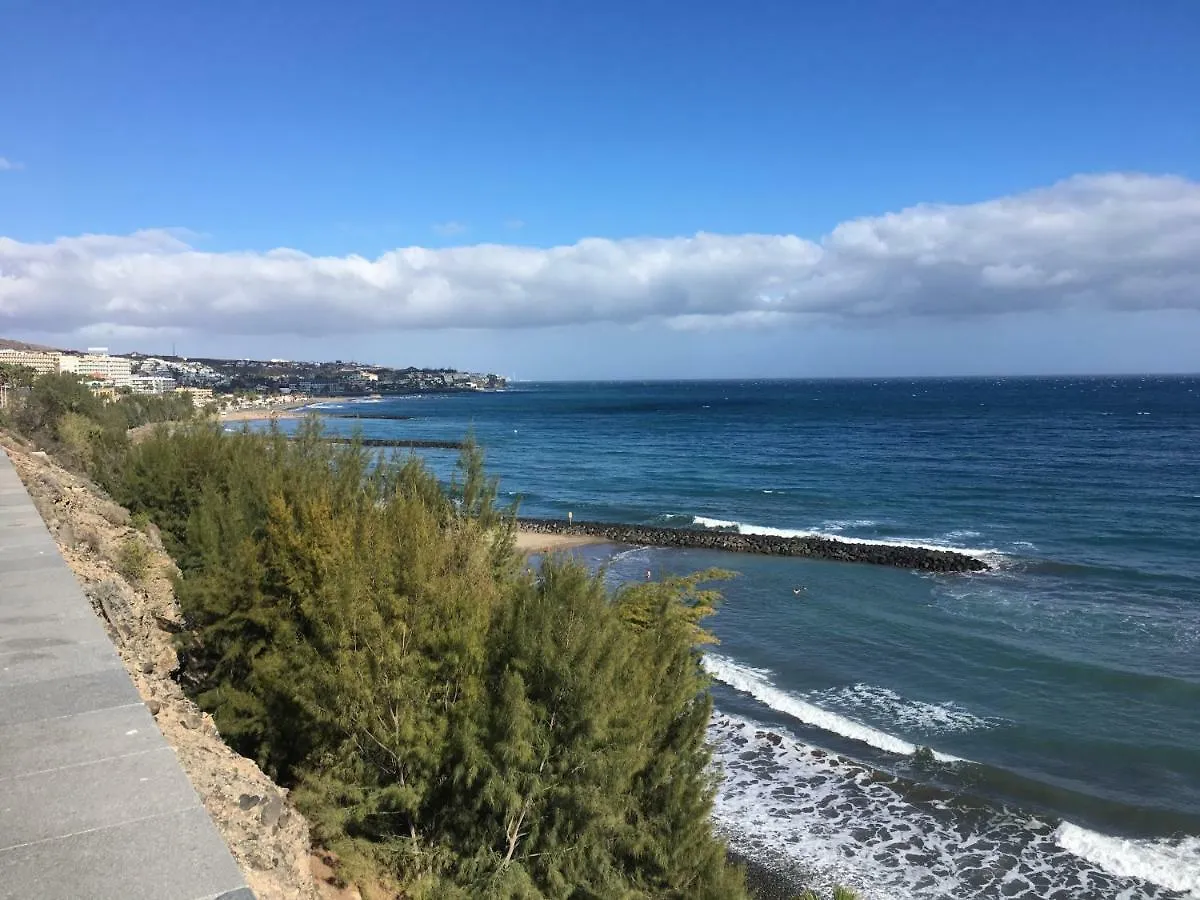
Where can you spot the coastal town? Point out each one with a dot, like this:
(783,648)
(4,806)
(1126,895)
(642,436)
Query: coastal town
(232,384)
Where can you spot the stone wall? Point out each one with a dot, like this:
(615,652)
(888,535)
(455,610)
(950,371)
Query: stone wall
(903,557)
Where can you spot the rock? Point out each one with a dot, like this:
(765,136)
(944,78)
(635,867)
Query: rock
(904,557)
(248,801)
(154,706)
(154,537)
(170,626)
(117,603)
(271,812)
(191,720)
(147,667)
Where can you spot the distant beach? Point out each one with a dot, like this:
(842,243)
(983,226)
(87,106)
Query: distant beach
(265,413)
(533,542)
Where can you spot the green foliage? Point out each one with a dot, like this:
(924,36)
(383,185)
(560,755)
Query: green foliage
(133,561)
(371,639)
(60,413)
(17,376)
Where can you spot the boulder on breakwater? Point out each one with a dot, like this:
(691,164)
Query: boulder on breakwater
(900,556)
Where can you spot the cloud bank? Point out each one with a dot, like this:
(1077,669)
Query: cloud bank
(1106,242)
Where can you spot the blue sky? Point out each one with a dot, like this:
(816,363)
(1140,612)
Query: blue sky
(352,130)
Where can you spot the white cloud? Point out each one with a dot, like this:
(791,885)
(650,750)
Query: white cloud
(450,229)
(8,165)
(1109,242)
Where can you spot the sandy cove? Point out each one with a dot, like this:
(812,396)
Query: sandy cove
(266,413)
(531,542)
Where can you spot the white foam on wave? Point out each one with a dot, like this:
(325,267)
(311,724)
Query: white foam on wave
(626,554)
(757,683)
(843,524)
(744,528)
(1174,865)
(797,808)
(910,715)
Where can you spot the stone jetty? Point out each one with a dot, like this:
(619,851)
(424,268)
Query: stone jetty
(899,556)
(397,442)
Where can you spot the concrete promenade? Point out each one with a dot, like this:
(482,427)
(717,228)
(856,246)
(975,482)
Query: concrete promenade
(93,803)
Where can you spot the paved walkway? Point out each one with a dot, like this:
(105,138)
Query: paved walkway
(93,803)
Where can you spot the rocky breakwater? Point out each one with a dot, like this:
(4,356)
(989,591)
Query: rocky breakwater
(900,556)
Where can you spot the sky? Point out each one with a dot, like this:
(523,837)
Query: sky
(554,190)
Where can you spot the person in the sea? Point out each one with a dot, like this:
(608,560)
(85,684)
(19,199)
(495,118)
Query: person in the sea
(647,574)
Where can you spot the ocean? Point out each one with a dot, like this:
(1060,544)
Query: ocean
(1058,693)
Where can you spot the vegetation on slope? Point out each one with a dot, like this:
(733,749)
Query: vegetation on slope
(62,415)
(373,641)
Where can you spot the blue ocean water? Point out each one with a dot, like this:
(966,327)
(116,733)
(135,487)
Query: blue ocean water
(1059,691)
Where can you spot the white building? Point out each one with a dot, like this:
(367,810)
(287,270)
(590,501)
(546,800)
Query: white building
(201,397)
(152,384)
(97,364)
(43,362)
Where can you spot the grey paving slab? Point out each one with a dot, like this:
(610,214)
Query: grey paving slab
(65,697)
(176,856)
(92,795)
(49,744)
(52,661)
(15,542)
(41,561)
(93,802)
(21,623)
(28,584)
(15,517)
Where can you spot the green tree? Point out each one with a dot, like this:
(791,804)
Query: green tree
(373,641)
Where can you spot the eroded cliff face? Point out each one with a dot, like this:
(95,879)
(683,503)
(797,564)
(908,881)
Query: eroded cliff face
(127,576)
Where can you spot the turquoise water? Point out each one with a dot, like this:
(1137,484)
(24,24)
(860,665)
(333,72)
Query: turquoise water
(1060,691)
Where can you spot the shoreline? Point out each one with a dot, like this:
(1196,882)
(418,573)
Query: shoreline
(763,882)
(283,411)
(533,542)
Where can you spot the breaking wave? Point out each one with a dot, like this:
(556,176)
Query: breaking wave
(758,685)
(826,819)
(831,535)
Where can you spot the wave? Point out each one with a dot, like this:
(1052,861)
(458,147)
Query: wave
(1174,865)
(758,685)
(842,524)
(798,809)
(989,553)
(910,715)
(630,553)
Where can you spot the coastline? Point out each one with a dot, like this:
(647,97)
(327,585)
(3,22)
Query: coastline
(267,413)
(532,542)
(762,882)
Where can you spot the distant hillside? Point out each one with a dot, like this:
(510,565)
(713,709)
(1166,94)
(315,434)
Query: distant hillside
(6,344)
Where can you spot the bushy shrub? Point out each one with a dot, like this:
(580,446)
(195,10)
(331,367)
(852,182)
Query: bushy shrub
(133,561)
(372,640)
